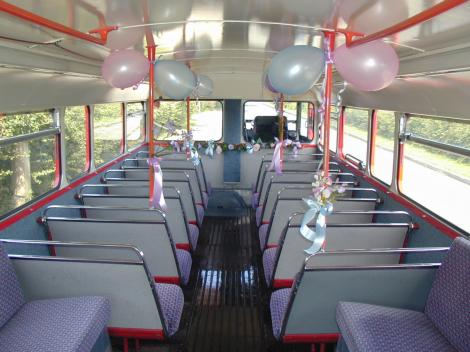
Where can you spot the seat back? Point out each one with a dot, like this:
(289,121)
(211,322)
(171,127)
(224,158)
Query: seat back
(448,302)
(11,294)
(291,256)
(152,237)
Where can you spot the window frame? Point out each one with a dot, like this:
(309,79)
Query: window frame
(310,104)
(221,101)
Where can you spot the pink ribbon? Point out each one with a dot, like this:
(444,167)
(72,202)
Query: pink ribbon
(157,200)
(276,163)
(176,146)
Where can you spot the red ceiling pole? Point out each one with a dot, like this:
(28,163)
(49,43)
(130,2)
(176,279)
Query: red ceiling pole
(330,36)
(421,17)
(42,21)
(151,57)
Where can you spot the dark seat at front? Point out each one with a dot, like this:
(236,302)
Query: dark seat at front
(62,325)
(444,325)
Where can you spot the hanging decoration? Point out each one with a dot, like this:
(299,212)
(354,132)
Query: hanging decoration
(157,200)
(119,39)
(368,67)
(174,79)
(276,163)
(125,68)
(204,86)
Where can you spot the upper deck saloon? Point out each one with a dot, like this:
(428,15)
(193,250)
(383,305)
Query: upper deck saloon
(167,169)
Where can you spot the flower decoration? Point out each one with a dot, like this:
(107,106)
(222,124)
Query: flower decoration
(325,190)
(218,150)
(230,147)
(256,147)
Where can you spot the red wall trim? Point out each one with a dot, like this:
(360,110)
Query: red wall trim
(310,338)
(144,334)
(167,280)
(444,228)
(283,283)
(54,195)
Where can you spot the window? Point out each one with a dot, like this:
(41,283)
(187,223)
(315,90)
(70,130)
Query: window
(75,141)
(107,125)
(28,166)
(206,120)
(334,116)
(355,133)
(382,150)
(262,121)
(135,124)
(438,179)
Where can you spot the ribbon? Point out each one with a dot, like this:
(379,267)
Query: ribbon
(158,200)
(176,146)
(297,146)
(194,154)
(317,236)
(249,148)
(276,163)
(210,149)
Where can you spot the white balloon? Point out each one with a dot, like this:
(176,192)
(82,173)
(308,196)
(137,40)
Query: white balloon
(123,38)
(174,79)
(296,69)
(205,87)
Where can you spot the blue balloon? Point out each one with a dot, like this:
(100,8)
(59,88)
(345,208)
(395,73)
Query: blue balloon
(296,69)
(174,79)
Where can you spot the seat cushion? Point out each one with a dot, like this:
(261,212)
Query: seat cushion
(171,303)
(193,235)
(184,263)
(62,325)
(278,306)
(200,214)
(11,295)
(366,327)
(269,257)
(448,304)
(263,233)
(259,214)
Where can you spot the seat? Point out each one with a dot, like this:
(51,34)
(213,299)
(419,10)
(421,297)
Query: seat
(263,233)
(184,264)
(193,235)
(63,324)
(172,302)
(444,325)
(278,305)
(269,257)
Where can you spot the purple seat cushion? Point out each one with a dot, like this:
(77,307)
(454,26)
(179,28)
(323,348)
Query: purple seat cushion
(62,325)
(11,295)
(278,306)
(259,213)
(269,256)
(200,214)
(254,200)
(366,327)
(263,233)
(193,235)
(184,263)
(171,302)
(448,304)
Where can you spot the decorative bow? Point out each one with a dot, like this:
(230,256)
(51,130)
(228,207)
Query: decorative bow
(157,199)
(297,145)
(176,146)
(276,162)
(249,147)
(210,149)
(317,236)
(194,154)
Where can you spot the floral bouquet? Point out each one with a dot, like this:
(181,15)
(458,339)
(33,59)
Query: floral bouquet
(325,190)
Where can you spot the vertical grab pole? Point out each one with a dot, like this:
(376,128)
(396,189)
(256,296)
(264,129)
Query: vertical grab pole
(188,124)
(328,88)
(150,103)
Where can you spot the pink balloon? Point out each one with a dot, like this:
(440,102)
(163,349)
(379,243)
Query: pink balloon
(369,67)
(125,68)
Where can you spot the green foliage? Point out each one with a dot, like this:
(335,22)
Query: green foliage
(107,119)
(75,141)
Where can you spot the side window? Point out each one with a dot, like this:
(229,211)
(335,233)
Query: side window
(28,166)
(206,118)
(382,148)
(75,141)
(436,167)
(355,133)
(107,129)
(334,116)
(135,120)
(261,121)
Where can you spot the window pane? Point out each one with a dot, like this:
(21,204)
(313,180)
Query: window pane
(135,124)
(14,124)
(355,133)
(75,141)
(107,119)
(306,122)
(382,163)
(262,121)
(27,170)
(206,119)
(438,180)
(334,114)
